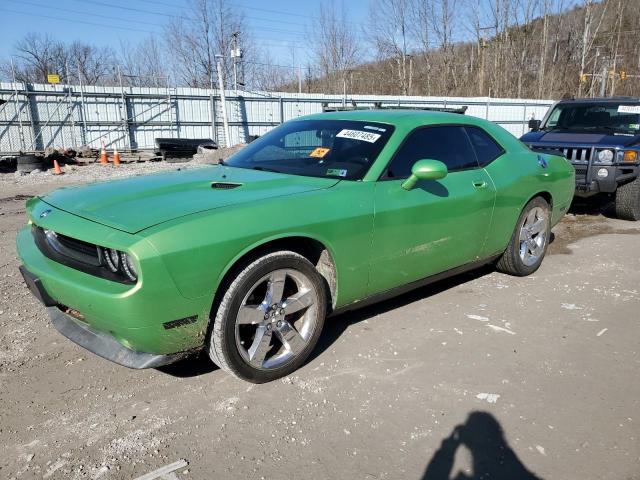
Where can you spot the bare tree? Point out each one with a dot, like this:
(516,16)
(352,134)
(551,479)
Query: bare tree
(335,45)
(193,41)
(38,55)
(390,29)
(144,64)
(443,12)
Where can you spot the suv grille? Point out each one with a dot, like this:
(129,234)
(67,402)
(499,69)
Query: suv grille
(573,154)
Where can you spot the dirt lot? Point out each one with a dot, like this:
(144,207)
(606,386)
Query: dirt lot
(537,374)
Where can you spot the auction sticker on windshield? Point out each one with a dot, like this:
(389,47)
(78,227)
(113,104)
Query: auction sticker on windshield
(359,135)
(629,108)
(319,152)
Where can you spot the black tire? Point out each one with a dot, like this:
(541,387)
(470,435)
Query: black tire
(222,346)
(628,201)
(511,261)
(29,163)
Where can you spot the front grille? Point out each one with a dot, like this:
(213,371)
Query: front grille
(573,154)
(76,245)
(74,253)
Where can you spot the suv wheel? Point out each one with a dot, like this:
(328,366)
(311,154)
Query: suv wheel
(529,242)
(628,200)
(269,319)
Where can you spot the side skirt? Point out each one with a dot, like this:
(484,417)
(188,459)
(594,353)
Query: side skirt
(394,292)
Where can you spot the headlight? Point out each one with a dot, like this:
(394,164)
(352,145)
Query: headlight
(112,259)
(605,156)
(120,263)
(129,267)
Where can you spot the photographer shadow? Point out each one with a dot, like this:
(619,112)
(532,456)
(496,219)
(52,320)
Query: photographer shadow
(491,455)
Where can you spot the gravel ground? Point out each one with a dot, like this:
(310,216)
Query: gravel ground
(537,374)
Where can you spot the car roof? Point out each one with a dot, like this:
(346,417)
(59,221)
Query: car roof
(404,117)
(600,100)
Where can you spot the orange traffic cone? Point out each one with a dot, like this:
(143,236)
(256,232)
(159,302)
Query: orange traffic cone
(103,156)
(56,168)
(116,157)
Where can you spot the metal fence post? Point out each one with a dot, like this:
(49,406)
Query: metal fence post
(83,113)
(18,107)
(124,115)
(486,111)
(281,110)
(71,106)
(524,119)
(212,105)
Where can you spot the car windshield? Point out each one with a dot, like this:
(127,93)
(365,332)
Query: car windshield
(610,117)
(316,148)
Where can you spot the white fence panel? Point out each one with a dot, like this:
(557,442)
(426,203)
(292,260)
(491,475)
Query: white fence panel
(132,117)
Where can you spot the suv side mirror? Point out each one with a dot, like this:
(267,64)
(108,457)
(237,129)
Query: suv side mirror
(425,170)
(534,125)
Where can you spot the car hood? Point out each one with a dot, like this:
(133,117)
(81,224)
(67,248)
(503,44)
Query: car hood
(136,203)
(582,138)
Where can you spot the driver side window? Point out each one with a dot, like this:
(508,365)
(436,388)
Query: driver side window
(449,144)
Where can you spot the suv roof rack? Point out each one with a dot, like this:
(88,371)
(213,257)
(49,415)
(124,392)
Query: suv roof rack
(379,106)
(600,99)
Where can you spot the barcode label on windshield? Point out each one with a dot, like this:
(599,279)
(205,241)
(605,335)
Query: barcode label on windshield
(359,135)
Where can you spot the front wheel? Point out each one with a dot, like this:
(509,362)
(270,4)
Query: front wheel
(529,242)
(269,319)
(628,201)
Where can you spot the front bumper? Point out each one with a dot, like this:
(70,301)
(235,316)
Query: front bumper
(105,345)
(591,179)
(143,322)
(100,343)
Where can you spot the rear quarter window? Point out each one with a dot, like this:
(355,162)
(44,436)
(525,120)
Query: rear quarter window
(486,148)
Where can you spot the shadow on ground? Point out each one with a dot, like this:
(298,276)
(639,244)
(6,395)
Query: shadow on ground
(491,455)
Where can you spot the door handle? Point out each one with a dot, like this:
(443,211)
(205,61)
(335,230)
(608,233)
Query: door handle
(479,183)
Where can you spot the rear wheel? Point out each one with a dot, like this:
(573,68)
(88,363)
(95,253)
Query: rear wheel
(530,240)
(628,200)
(269,319)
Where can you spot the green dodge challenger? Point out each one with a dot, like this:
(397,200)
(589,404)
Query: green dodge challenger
(323,214)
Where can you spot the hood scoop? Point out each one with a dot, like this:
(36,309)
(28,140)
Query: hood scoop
(225,185)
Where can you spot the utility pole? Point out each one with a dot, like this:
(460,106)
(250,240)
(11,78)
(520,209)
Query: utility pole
(603,80)
(236,54)
(223,100)
(482,45)
(410,74)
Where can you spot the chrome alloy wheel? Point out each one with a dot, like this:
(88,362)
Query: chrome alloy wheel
(533,236)
(276,319)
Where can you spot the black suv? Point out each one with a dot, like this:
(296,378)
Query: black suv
(601,138)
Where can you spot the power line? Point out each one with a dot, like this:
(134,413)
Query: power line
(61,9)
(62,19)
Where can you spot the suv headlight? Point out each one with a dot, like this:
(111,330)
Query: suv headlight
(605,156)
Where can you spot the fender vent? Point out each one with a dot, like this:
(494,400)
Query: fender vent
(225,185)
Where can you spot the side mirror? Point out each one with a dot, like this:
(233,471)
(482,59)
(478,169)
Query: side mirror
(534,125)
(425,170)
